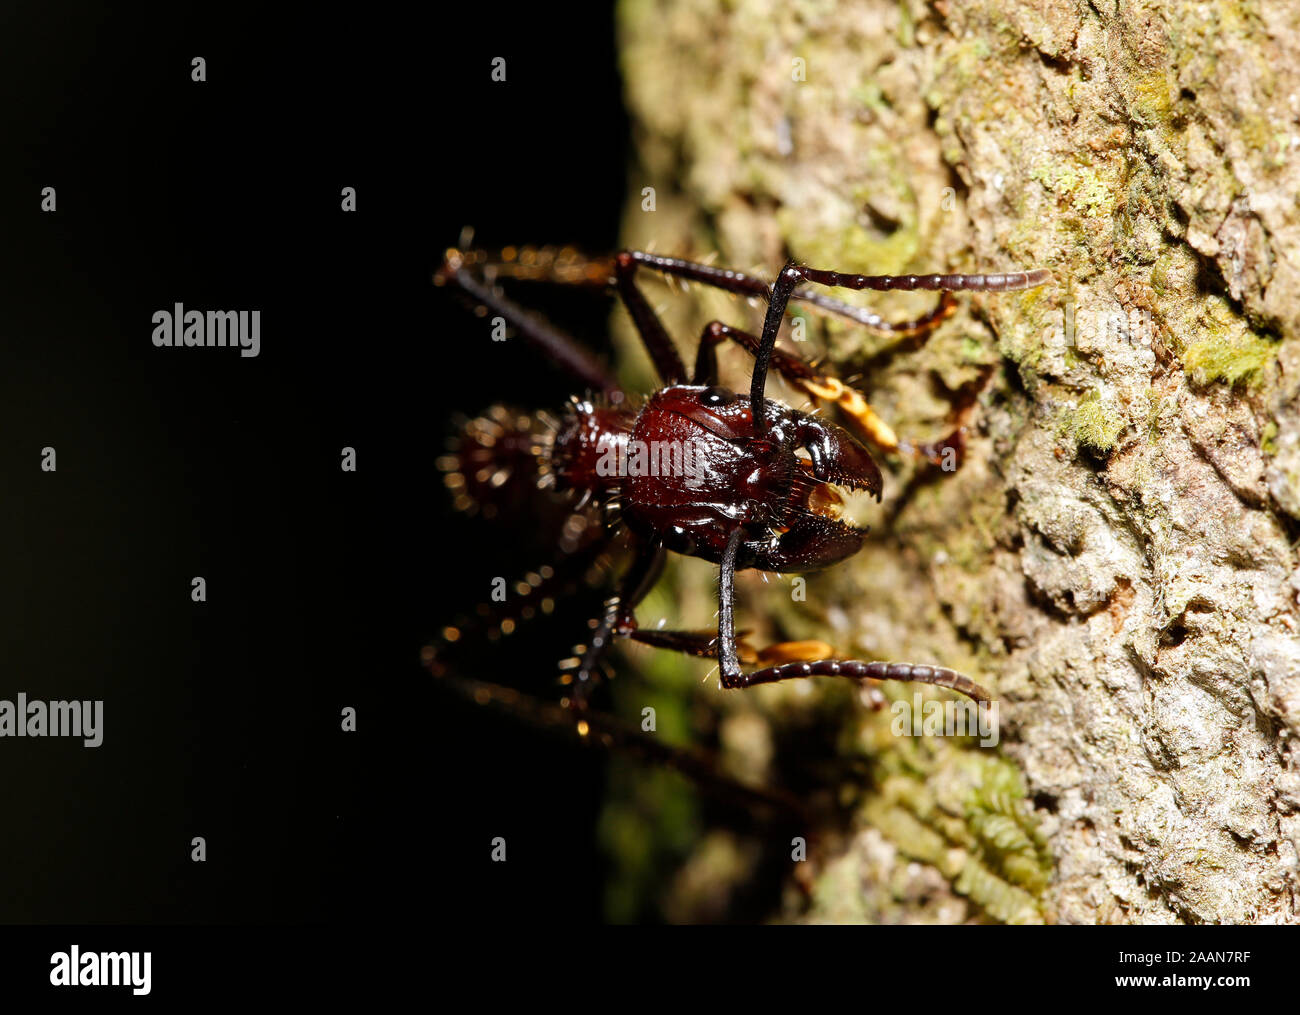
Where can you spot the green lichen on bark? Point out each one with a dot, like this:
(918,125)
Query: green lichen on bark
(1212,359)
(1093,423)
(1116,556)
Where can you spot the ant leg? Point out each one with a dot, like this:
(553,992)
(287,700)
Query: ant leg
(567,267)
(654,336)
(804,376)
(704,644)
(706,353)
(600,730)
(789,285)
(638,580)
(733,676)
(533,328)
(555,265)
(792,275)
(755,287)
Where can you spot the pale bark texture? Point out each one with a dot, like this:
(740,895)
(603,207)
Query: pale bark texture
(1116,558)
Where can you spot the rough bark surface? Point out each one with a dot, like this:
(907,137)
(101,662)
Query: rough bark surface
(1116,558)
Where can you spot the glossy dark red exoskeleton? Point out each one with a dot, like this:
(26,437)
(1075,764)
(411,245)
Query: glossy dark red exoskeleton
(737,479)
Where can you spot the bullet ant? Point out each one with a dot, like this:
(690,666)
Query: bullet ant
(765,490)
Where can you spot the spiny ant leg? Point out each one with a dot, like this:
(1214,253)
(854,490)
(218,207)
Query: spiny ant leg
(938,452)
(733,677)
(804,376)
(706,353)
(797,371)
(567,267)
(999,282)
(785,287)
(654,336)
(940,676)
(793,274)
(533,328)
(704,645)
(564,266)
(728,659)
(755,287)
(912,335)
(917,328)
(788,286)
(636,583)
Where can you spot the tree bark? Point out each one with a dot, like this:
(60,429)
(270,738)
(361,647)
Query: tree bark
(1116,558)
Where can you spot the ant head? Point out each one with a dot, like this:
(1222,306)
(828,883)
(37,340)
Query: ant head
(827,463)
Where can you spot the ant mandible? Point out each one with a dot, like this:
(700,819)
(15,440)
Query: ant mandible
(756,485)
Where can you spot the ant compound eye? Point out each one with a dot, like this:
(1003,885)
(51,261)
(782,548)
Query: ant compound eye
(717,396)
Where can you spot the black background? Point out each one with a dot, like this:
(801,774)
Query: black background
(222,719)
